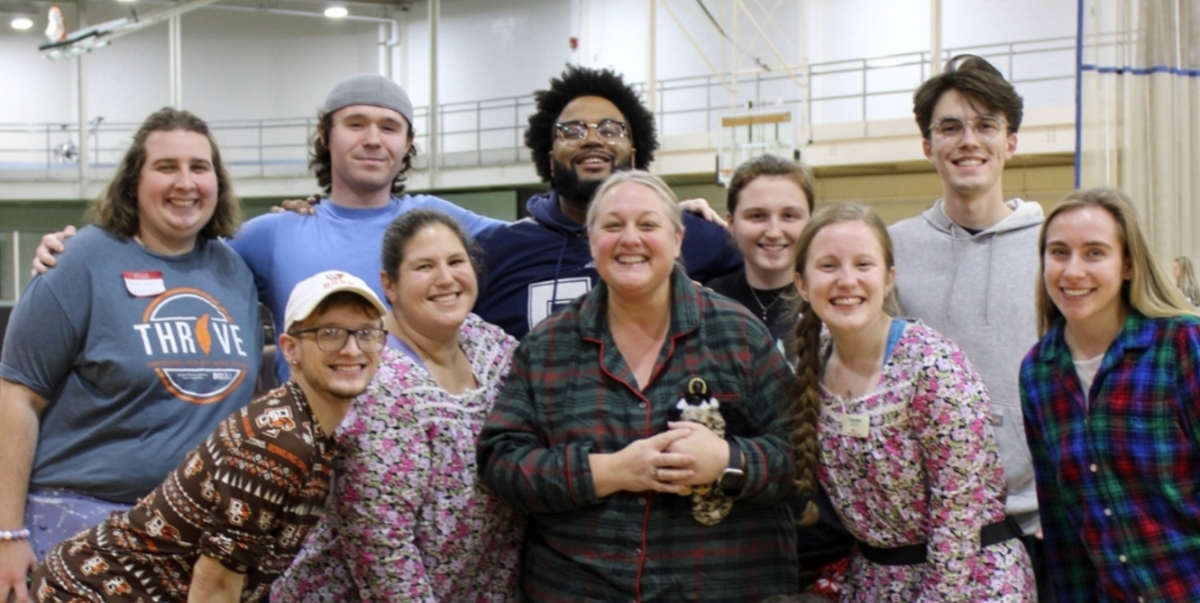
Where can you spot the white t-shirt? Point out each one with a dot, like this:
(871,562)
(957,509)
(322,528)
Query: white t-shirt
(1087,368)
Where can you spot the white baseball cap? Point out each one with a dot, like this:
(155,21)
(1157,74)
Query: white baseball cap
(310,292)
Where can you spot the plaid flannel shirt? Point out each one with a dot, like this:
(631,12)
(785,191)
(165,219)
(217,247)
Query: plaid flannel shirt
(1118,478)
(571,393)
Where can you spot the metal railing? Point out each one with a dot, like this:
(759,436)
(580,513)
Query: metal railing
(491,131)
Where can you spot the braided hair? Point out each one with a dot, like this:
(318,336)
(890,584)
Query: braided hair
(806,399)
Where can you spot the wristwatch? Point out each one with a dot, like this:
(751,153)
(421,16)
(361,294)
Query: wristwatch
(733,475)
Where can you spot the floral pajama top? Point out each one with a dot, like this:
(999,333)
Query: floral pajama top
(407,520)
(927,471)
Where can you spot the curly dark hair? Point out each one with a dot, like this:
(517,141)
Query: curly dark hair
(579,81)
(976,79)
(116,210)
(320,160)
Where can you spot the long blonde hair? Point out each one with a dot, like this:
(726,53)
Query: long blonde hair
(806,401)
(1150,291)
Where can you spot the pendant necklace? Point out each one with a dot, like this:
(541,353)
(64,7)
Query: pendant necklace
(765,307)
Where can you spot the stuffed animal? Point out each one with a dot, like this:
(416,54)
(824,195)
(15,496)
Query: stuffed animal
(710,504)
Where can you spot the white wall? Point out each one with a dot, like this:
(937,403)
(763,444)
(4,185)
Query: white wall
(236,65)
(849,29)
(248,65)
(242,65)
(33,89)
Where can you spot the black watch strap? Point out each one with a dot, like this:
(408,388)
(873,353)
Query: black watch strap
(733,475)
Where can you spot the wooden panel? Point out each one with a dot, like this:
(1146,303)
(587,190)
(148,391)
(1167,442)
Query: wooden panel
(753,120)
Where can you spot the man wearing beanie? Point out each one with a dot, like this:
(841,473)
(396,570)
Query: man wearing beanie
(361,154)
(230,518)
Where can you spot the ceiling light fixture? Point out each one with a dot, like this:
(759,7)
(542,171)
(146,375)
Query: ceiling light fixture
(22,23)
(336,12)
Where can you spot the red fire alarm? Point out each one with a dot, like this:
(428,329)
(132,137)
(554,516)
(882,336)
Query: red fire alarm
(574,42)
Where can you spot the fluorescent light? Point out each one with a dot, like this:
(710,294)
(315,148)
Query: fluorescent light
(22,23)
(336,12)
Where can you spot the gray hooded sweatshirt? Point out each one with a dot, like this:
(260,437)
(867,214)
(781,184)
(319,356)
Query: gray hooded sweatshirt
(979,290)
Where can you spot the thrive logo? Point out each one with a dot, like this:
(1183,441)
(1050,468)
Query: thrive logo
(193,345)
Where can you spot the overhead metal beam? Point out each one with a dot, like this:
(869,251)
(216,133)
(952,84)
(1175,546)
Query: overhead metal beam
(99,36)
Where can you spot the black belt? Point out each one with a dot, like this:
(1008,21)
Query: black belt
(914,554)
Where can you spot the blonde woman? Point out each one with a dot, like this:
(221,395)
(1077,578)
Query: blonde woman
(1109,396)
(580,440)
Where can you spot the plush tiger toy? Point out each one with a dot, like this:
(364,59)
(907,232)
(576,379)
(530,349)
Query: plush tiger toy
(710,504)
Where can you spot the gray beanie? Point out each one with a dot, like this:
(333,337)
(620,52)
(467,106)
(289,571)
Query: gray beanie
(370,89)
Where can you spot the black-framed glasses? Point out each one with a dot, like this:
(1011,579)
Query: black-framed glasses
(984,126)
(607,129)
(333,339)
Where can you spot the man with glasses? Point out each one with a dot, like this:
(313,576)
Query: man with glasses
(967,266)
(230,518)
(588,124)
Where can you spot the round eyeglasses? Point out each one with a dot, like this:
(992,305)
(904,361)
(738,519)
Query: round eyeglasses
(333,339)
(984,126)
(608,129)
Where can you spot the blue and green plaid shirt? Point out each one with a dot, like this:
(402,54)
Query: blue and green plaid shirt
(570,393)
(1118,471)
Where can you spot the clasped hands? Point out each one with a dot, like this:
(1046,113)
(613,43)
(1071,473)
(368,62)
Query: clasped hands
(687,454)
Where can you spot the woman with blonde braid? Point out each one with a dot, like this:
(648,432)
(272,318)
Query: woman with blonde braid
(907,452)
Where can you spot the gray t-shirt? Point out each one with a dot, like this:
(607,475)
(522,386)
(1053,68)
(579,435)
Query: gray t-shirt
(140,355)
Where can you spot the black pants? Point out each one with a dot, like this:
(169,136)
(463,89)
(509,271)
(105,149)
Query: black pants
(1033,546)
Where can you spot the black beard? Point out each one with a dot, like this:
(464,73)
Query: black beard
(578,193)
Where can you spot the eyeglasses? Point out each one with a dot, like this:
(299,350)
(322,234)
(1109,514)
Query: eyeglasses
(607,129)
(333,339)
(984,126)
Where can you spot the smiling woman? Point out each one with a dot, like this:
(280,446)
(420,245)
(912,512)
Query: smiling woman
(770,199)
(177,191)
(907,452)
(1109,398)
(580,436)
(408,444)
(144,338)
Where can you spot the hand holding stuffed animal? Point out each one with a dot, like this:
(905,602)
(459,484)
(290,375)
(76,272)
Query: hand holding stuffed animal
(710,504)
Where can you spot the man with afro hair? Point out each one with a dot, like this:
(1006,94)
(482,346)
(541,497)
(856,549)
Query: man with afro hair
(587,125)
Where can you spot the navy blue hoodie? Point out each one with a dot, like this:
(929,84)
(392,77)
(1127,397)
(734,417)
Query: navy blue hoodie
(538,265)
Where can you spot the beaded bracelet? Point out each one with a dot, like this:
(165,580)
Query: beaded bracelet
(21,534)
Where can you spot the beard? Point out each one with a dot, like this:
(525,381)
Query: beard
(578,193)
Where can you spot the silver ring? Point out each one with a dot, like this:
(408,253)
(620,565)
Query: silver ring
(655,472)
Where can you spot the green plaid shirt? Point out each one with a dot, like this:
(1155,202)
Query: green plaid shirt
(571,393)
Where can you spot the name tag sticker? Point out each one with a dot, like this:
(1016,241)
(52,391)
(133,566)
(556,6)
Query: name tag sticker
(856,426)
(143,283)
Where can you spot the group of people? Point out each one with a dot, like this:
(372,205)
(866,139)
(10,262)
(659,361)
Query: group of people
(889,412)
